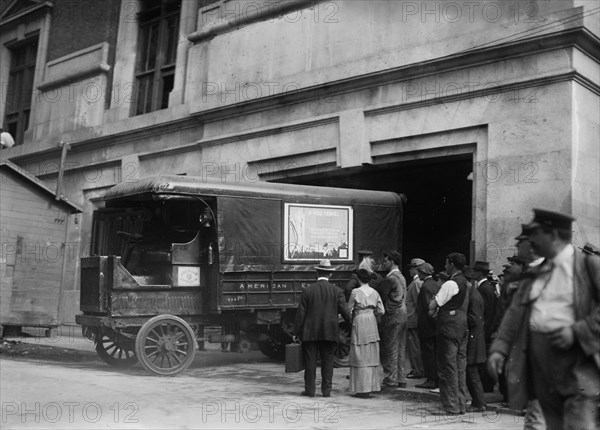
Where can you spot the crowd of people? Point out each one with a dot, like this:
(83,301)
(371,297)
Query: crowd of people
(534,329)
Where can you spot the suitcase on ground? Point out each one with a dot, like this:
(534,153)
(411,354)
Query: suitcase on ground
(294,360)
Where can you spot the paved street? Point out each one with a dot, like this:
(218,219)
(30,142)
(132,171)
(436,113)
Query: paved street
(220,390)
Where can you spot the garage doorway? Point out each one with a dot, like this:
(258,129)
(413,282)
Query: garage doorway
(438,210)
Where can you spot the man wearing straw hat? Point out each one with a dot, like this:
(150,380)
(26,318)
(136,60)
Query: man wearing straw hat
(317,325)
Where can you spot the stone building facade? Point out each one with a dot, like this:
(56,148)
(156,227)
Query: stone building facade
(476,111)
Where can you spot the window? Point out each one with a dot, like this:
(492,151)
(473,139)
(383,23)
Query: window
(157,52)
(20,88)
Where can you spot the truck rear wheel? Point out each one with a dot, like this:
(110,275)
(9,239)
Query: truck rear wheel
(166,345)
(272,343)
(342,350)
(115,348)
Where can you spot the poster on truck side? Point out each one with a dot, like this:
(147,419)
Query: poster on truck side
(313,232)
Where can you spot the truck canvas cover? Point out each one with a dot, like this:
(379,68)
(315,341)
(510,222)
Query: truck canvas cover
(251,217)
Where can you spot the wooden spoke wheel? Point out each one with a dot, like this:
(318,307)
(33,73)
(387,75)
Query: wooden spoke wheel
(165,345)
(115,348)
(273,343)
(342,351)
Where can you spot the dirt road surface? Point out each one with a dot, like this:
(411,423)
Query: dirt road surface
(54,387)
(220,390)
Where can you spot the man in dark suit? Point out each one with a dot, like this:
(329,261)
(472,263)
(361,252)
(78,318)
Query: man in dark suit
(550,334)
(476,351)
(490,310)
(317,325)
(426,325)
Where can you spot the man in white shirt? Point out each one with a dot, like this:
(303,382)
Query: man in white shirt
(392,327)
(551,331)
(452,336)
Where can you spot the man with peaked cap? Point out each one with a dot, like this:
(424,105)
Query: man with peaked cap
(514,270)
(392,328)
(317,325)
(426,325)
(550,334)
(490,314)
(413,350)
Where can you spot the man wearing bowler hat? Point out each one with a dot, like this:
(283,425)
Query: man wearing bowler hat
(392,328)
(550,334)
(317,325)
(490,310)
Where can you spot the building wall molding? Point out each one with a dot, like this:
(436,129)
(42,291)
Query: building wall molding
(76,67)
(514,87)
(303,163)
(229,15)
(102,142)
(579,38)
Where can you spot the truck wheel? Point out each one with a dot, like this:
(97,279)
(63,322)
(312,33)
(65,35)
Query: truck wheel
(272,344)
(165,345)
(342,351)
(115,349)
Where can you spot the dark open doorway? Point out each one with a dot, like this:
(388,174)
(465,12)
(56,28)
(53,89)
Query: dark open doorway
(438,210)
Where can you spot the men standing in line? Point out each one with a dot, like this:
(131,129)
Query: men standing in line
(392,328)
(476,351)
(413,349)
(452,335)
(490,310)
(551,331)
(426,326)
(317,325)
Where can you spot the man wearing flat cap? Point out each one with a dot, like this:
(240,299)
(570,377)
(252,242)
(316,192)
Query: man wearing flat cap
(550,334)
(426,325)
(317,325)
(392,328)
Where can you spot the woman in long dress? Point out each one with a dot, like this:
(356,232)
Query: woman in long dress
(365,304)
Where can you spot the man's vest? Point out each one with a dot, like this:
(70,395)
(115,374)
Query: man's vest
(452,317)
